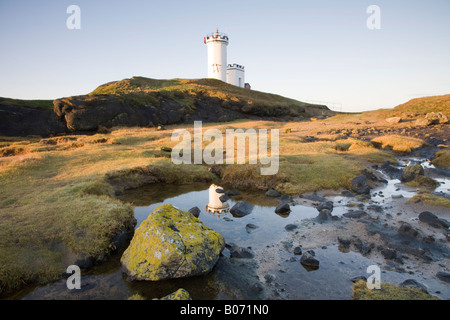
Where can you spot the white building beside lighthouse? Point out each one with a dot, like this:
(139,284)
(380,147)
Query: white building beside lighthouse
(217,60)
(236,75)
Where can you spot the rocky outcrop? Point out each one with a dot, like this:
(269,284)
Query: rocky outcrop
(138,102)
(431,219)
(432,118)
(436,117)
(171,244)
(89,112)
(18,120)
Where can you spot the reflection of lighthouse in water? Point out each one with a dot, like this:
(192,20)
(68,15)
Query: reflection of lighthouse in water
(216,205)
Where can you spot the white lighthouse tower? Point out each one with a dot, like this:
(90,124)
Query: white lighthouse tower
(217,55)
(217,61)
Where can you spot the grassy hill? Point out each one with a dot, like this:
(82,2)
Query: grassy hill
(35,104)
(145,91)
(414,108)
(424,105)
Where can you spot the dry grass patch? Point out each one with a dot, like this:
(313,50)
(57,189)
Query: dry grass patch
(430,199)
(398,143)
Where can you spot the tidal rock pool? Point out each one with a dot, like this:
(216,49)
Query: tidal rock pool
(262,258)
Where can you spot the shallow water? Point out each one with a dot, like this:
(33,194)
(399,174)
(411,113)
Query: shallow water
(269,224)
(235,278)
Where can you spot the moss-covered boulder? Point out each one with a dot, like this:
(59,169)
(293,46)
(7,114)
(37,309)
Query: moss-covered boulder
(171,243)
(180,294)
(411,172)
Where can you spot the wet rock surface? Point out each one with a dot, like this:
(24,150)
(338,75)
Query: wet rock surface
(241,208)
(171,244)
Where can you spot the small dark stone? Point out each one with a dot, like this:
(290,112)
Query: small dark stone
(309,261)
(85,263)
(347,193)
(344,241)
(195,211)
(443,276)
(241,208)
(224,198)
(359,185)
(375,207)
(325,205)
(429,239)
(231,193)
(358,278)
(250,227)
(433,220)
(269,277)
(257,287)
(297,250)
(240,253)
(369,175)
(314,197)
(391,170)
(290,227)
(355,214)
(283,208)
(272,193)
(407,230)
(411,283)
(220,190)
(324,215)
(389,254)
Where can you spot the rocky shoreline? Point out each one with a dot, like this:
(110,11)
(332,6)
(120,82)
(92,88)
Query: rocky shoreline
(395,234)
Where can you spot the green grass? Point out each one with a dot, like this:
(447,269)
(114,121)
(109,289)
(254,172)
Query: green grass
(145,91)
(430,199)
(388,292)
(424,105)
(35,104)
(413,109)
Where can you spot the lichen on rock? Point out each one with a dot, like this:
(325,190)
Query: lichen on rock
(171,243)
(180,294)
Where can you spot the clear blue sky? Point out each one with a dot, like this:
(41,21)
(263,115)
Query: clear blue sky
(307,50)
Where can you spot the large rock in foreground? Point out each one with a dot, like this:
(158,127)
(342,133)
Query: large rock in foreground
(171,243)
(412,172)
